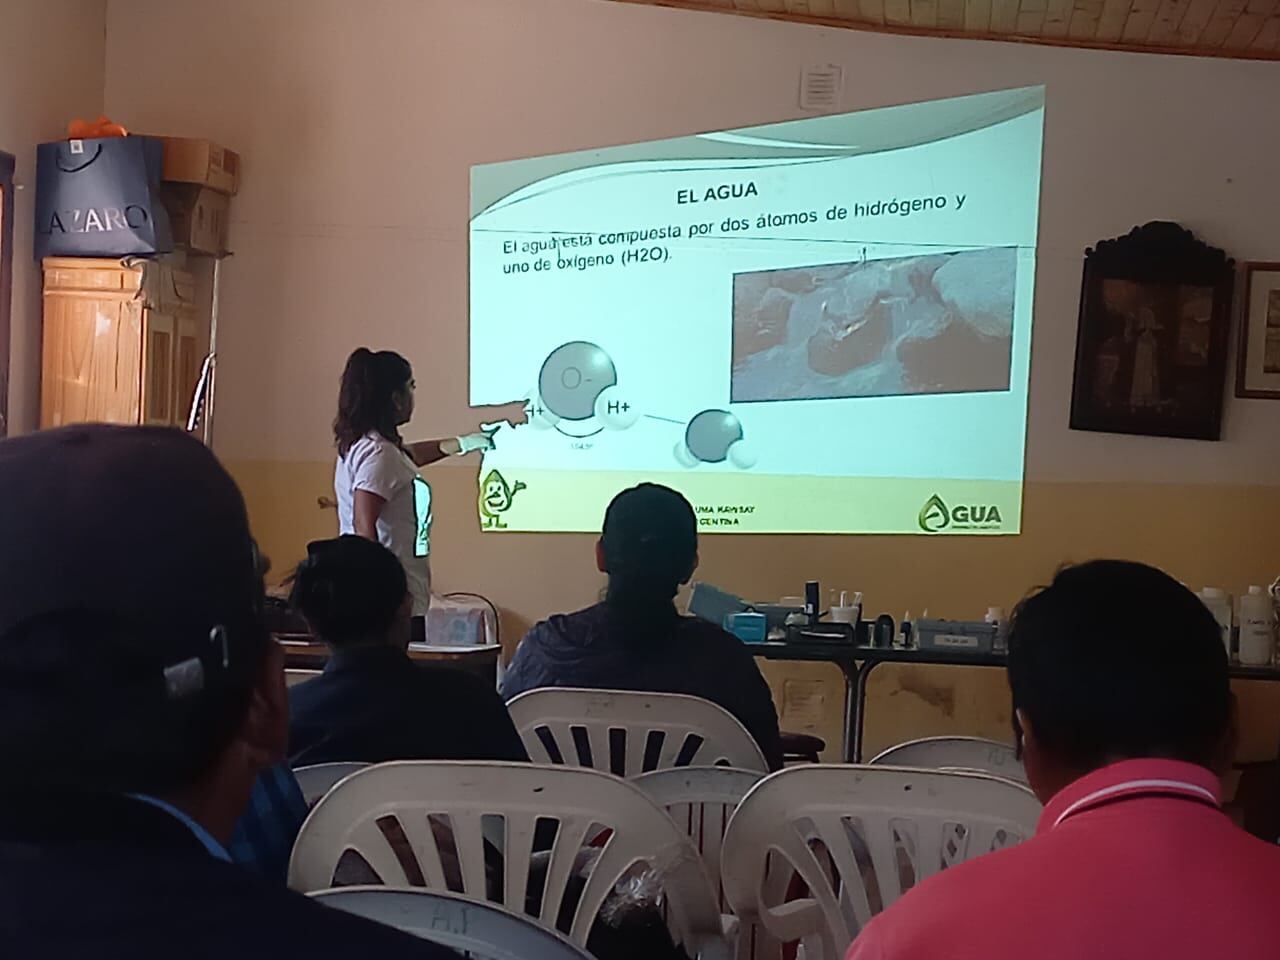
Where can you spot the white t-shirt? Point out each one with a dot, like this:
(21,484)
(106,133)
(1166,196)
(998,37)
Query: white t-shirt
(376,464)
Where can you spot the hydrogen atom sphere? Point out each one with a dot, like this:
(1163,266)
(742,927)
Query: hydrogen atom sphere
(742,454)
(615,409)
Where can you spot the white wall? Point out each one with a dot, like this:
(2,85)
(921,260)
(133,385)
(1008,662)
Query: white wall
(358,123)
(359,119)
(51,71)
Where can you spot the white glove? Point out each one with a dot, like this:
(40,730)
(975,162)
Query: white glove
(475,441)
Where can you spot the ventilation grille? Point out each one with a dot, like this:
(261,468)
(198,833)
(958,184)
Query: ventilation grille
(821,87)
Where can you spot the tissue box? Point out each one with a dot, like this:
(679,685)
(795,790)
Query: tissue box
(747,627)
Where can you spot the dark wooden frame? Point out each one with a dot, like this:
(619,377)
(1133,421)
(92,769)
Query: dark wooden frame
(1156,255)
(7,204)
(962,33)
(1242,351)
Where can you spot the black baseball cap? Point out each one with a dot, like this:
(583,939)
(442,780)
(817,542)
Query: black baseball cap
(131,625)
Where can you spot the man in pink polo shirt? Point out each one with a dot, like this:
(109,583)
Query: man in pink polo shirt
(1123,713)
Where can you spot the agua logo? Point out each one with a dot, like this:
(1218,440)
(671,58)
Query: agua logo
(935,516)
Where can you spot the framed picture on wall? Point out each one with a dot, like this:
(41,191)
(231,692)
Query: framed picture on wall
(1151,346)
(1258,372)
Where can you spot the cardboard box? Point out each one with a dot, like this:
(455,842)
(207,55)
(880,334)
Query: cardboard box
(200,216)
(201,162)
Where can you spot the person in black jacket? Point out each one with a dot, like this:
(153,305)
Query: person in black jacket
(372,703)
(635,639)
(140,698)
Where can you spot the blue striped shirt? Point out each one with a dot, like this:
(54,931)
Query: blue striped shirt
(264,836)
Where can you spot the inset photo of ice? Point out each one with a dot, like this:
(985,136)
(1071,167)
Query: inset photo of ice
(937,323)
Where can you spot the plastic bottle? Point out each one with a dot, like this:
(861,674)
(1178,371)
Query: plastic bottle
(1219,604)
(811,600)
(1257,635)
(995,617)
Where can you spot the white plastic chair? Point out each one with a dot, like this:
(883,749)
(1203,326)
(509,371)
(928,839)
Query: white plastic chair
(482,930)
(628,733)
(973,754)
(701,800)
(319,778)
(425,824)
(858,837)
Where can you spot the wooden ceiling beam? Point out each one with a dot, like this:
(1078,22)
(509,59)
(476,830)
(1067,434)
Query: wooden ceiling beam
(1195,28)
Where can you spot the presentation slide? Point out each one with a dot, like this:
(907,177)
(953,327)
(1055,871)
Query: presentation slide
(819,326)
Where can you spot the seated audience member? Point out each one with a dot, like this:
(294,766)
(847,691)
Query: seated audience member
(372,703)
(635,639)
(1123,714)
(140,698)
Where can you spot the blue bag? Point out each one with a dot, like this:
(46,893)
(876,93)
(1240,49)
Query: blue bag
(100,198)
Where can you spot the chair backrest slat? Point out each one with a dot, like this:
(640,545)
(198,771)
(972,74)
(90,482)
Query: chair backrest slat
(629,733)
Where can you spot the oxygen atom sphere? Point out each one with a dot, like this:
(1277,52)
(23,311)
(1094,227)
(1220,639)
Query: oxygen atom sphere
(572,377)
(711,433)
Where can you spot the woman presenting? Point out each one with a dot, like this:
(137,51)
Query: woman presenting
(380,494)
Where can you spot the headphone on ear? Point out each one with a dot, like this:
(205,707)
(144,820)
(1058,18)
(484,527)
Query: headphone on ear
(190,677)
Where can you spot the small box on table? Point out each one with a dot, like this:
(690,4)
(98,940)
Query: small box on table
(956,636)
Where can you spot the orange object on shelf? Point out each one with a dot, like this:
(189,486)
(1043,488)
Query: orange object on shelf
(79,129)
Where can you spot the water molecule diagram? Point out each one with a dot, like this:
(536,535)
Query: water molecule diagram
(579,395)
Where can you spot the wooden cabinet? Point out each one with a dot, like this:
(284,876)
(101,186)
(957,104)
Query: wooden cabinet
(123,342)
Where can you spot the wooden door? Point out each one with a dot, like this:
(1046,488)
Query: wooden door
(92,363)
(160,345)
(189,357)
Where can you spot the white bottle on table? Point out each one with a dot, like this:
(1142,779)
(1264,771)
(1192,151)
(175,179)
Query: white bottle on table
(1257,628)
(1219,604)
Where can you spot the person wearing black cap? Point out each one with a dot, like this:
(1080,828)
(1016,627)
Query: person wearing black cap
(635,639)
(372,703)
(140,698)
